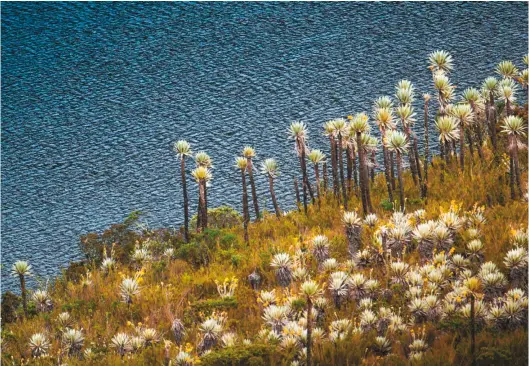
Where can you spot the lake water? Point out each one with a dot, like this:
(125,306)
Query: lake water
(94,95)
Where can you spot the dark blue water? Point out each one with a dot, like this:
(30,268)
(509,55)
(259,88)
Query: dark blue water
(94,94)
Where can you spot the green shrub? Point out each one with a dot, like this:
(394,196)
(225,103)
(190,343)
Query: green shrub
(32,310)
(156,247)
(123,235)
(79,306)
(197,254)
(198,309)
(386,205)
(220,218)
(265,257)
(158,267)
(257,354)
(298,305)
(229,241)
(200,251)
(10,304)
(210,237)
(214,304)
(75,271)
(416,201)
(236,260)
(494,356)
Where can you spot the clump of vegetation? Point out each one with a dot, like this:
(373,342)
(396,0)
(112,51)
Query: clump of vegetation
(426,265)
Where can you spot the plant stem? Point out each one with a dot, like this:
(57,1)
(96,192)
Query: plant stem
(186,199)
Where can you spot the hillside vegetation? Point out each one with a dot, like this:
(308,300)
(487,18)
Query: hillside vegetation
(422,266)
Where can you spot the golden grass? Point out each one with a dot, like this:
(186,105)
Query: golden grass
(172,291)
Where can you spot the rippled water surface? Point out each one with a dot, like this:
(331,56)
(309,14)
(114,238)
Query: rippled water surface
(94,94)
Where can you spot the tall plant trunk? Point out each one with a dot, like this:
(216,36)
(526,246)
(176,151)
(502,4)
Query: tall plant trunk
(202,205)
(514,168)
(470,144)
(392,170)
(353,234)
(325,178)
(372,170)
(444,161)
(304,187)
(205,208)
(386,171)
(445,150)
(296,190)
(303,163)
(491,116)
(309,332)
(361,170)
(479,144)
(340,162)
(317,175)
(254,192)
(417,161)
(199,210)
(349,168)
(413,168)
(186,199)
(245,210)
(273,194)
(334,163)
(426,151)
(366,177)
(441,104)
(462,146)
(454,148)
(472,330)
(508,109)
(355,170)
(492,112)
(401,186)
(517,167)
(23,294)
(304,178)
